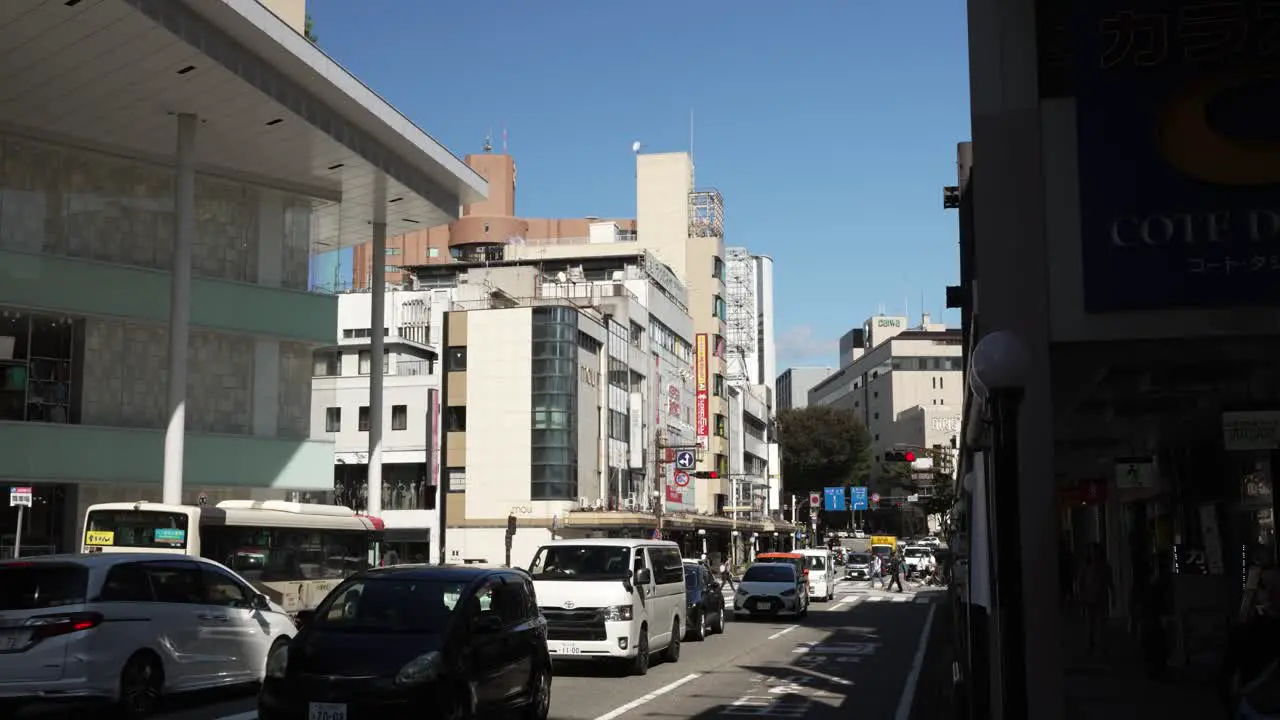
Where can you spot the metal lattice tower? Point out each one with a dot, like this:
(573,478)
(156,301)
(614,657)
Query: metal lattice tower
(706,213)
(740,315)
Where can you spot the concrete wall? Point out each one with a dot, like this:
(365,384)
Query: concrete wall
(499,411)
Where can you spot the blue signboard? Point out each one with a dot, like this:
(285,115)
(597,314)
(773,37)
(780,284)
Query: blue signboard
(833,499)
(858,498)
(1178,161)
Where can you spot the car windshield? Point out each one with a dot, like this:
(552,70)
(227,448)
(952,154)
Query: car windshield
(581,562)
(36,586)
(389,605)
(817,563)
(769,573)
(917,552)
(859,559)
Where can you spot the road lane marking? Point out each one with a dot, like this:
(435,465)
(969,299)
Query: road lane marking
(913,678)
(646,699)
(900,598)
(781,632)
(251,715)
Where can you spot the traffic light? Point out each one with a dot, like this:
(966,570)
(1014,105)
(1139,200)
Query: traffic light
(900,456)
(707,474)
(511,525)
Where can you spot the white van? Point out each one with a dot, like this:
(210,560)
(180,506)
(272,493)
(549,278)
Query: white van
(127,628)
(822,576)
(611,598)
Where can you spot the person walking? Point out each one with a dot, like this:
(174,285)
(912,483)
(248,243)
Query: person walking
(877,571)
(895,572)
(726,575)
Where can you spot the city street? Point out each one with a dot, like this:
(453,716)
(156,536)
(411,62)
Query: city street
(854,652)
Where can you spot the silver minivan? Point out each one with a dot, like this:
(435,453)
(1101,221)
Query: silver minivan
(128,628)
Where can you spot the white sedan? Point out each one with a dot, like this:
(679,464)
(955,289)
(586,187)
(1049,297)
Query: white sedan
(770,589)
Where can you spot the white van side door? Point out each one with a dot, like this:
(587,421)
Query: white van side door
(668,576)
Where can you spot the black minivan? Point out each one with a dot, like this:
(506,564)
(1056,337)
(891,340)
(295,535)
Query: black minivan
(415,641)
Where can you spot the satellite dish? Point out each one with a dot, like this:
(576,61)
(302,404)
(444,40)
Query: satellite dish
(561,277)
(635,146)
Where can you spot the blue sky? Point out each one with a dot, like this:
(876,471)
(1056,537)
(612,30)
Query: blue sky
(829,125)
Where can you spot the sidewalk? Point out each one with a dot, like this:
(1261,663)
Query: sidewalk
(933,693)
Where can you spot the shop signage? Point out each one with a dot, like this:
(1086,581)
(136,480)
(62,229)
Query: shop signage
(888,322)
(701,398)
(635,442)
(1251,430)
(1176,210)
(589,376)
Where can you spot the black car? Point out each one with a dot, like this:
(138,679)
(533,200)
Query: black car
(704,603)
(415,641)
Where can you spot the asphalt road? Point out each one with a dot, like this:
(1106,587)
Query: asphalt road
(852,653)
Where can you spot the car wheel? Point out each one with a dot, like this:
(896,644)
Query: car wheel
(279,643)
(698,626)
(640,664)
(141,683)
(672,653)
(539,695)
(718,627)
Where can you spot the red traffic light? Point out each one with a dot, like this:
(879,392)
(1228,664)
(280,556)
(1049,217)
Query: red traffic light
(909,456)
(707,474)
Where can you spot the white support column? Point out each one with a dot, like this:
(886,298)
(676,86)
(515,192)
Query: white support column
(377,321)
(180,307)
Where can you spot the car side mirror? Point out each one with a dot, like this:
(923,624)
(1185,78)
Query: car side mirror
(486,624)
(304,618)
(644,576)
(260,602)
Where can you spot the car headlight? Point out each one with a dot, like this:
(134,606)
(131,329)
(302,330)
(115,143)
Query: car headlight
(618,613)
(421,669)
(278,662)
(788,593)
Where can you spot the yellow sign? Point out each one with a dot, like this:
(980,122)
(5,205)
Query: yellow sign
(99,537)
(700,359)
(889,540)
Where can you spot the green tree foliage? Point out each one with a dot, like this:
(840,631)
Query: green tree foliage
(309,30)
(822,447)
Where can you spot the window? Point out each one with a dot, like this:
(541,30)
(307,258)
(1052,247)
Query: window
(399,417)
(556,375)
(175,582)
(366,362)
(717,269)
(393,251)
(139,528)
(456,478)
(126,583)
(510,602)
(266,555)
(668,568)
(718,307)
(362,422)
(41,586)
(392,604)
(333,419)
(328,363)
(455,419)
(722,426)
(433,252)
(222,590)
(717,385)
(455,359)
(390,268)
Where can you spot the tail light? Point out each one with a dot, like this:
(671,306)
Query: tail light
(47,626)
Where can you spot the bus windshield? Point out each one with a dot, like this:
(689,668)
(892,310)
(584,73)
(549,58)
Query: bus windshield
(152,529)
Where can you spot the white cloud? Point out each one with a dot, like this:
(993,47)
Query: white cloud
(799,345)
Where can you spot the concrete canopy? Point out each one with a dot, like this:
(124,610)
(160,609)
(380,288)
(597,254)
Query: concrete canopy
(274,109)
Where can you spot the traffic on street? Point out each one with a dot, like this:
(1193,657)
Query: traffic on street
(860,652)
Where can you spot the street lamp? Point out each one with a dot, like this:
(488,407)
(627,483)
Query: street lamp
(702,535)
(998,372)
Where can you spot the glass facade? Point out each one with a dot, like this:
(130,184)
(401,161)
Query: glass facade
(69,202)
(554,442)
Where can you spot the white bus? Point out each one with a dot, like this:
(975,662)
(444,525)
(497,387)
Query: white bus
(294,553)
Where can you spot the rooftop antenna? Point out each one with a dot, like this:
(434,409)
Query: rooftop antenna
(488,141)
(504,138)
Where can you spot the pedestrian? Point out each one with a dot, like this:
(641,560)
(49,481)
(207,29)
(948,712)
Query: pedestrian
(726,576)
(877,570)
(1094,589)
(895,572)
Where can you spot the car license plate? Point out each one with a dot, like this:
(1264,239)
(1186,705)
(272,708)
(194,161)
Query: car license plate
(14,639)
(762,605)
(327,711)
(564,648)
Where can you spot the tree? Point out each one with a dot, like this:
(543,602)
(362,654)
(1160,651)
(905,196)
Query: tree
(822,447)
(309,30)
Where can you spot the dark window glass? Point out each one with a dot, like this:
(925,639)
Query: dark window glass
(137,529)
(221,589)
(42,585)
(771,573)
(176,582)
(553,475)
(399,417)
(362,419)
(262,554)
(668,567)
(455,419)
(455,359)
(127,583)
(386,605)
(580,562)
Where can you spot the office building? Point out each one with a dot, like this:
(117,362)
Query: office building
(794,384)
(161,191)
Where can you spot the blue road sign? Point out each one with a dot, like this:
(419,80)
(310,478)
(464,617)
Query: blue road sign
(686,460)
(858,498)
(833,498)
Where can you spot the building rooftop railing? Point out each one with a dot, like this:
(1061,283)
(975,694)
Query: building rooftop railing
(497,300)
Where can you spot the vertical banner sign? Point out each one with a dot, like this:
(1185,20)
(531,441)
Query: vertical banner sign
(1177,168)
(701,397)
(433,437)
(635,438)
